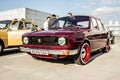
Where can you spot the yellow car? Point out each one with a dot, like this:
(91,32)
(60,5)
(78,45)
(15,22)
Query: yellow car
(11,32)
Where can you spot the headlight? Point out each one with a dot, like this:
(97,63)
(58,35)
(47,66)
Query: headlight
(25,40)
(61,41)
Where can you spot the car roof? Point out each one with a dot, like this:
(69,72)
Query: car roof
(89,16)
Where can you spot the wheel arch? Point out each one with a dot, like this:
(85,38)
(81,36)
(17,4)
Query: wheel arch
(87,41)
(1,41)
(77,58)
(84,41)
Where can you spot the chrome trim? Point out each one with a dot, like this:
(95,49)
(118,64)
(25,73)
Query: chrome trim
(54,52)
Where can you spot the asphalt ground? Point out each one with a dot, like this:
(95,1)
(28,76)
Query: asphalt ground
(15,65)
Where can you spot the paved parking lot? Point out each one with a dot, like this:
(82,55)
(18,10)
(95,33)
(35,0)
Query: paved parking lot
(20,66)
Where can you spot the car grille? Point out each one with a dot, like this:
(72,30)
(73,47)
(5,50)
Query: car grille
(44,40)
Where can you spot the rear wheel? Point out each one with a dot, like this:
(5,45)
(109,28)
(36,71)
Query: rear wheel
(84,54)
(107,47)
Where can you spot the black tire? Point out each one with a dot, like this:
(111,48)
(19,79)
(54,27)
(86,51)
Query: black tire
(1,48)
(107,47)
(113,40)
(84,55)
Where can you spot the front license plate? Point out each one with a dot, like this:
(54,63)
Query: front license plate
(39,52)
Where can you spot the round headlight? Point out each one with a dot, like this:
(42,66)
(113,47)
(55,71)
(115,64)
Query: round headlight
(25,40)
(61,41)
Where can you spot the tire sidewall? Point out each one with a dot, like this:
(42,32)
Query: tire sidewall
(113,41)
(79,60)
(1,48)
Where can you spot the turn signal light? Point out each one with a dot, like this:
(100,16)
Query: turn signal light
(66,53)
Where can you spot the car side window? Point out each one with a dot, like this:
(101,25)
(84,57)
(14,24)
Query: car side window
(21,25)
(94,25)
(83,24)
(29,25)
(15,25)
(100,25)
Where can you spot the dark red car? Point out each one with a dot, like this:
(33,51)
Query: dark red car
(76,36)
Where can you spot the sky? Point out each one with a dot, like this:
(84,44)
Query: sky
(106,10)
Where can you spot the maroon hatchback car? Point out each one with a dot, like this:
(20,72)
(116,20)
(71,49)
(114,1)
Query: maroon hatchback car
(76,36)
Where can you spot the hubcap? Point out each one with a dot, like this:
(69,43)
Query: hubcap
(85,53)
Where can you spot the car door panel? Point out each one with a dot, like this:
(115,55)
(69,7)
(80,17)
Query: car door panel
(15,37)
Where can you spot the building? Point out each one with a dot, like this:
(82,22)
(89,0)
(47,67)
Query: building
(37,16)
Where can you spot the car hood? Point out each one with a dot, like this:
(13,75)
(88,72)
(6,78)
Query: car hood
(70,34)
(60,32)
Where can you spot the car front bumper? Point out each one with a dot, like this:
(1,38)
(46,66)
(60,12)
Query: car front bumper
(48,52)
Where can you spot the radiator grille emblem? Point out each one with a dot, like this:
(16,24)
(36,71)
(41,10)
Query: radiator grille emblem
(39,41)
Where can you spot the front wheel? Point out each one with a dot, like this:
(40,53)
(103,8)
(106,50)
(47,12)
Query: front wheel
(1,48)
(84,54)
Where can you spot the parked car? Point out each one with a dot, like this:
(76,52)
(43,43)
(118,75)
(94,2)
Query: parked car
(111,36)
(77,37)
(11,32)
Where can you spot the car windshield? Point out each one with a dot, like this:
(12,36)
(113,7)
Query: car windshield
(4,24)
(79,21)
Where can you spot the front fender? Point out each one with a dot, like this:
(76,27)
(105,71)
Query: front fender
(4,37)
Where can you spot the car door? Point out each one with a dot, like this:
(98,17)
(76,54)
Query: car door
(13,33)
(103,34)
(96,40)
(17,29)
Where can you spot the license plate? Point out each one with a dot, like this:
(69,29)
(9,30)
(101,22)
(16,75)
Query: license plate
(39,52)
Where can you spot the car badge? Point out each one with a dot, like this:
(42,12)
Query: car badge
(39,41)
